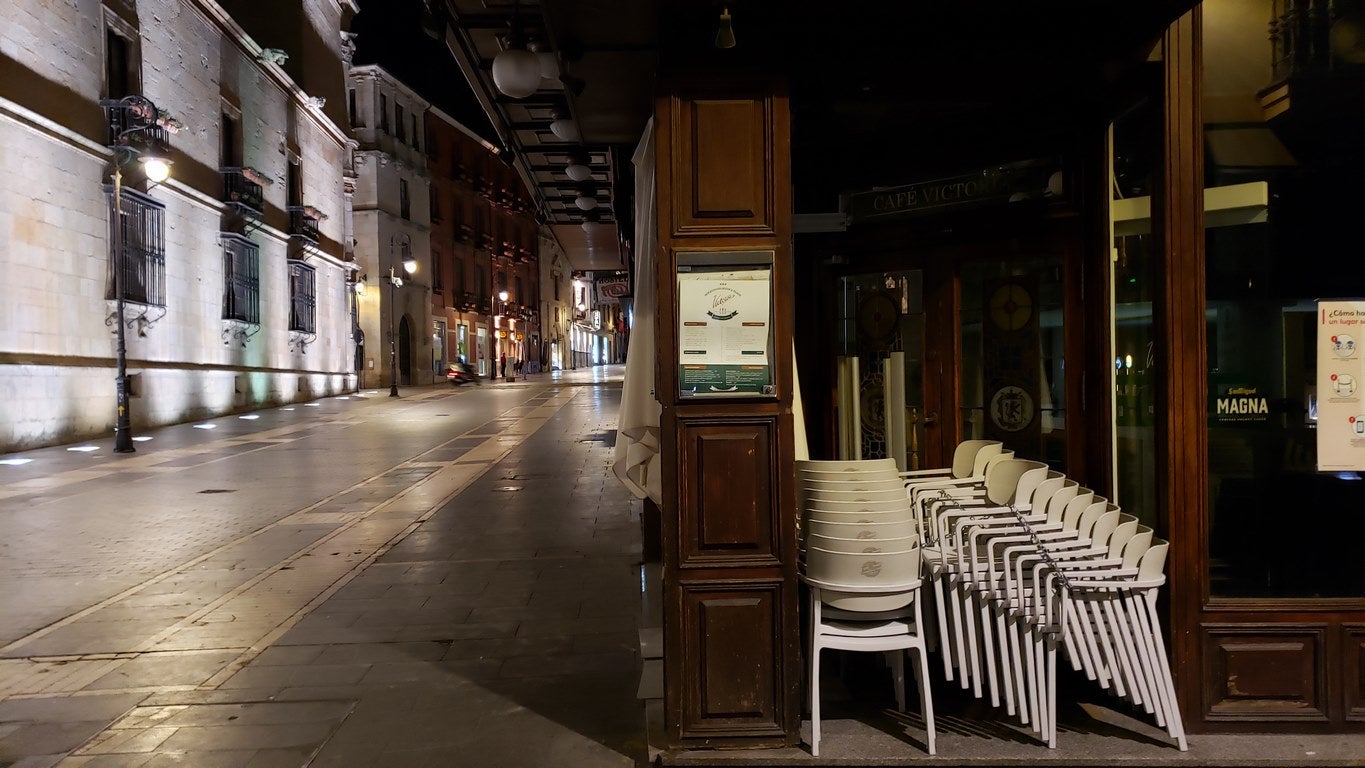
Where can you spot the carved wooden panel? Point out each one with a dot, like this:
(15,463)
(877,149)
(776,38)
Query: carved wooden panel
(1353,661)
(722,182)
(727,500)
(1265,672)
(730,658)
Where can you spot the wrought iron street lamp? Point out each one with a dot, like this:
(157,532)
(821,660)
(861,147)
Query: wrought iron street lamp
(396,282)
(498,331)
(357,335)
(157,169)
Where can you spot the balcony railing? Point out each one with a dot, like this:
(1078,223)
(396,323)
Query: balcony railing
(133,123)
(303,223)
(242,193)
(1303,35)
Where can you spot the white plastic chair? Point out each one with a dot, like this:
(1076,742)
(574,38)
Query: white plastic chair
(884,588)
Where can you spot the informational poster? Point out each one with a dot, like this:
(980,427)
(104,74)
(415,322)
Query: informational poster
(1341,411)
(725,331)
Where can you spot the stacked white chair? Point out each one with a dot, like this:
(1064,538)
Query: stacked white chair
(1054,567)
(862,566)
(1023,563)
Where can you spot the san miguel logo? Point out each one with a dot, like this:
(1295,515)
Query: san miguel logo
(1241,404)
(722,299)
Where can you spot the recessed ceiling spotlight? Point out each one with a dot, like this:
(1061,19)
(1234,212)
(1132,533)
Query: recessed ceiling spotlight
(205,426)
(249,417)
(141,439)
(15,462)
(84,448)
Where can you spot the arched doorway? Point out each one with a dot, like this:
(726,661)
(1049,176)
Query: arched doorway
(404,351)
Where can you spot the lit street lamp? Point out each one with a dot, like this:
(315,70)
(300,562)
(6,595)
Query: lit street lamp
(157,169)
(498,331)
(357,336)
(396,282)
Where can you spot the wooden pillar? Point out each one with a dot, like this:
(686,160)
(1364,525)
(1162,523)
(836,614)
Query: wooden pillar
(731,636)
(1182,432)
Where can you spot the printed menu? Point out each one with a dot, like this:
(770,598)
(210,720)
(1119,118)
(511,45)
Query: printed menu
(724,330)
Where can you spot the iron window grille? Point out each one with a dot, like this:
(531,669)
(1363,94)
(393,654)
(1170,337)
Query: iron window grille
(144,249)
(302,298)
(241,279)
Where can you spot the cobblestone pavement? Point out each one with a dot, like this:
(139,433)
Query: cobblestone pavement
(449,578)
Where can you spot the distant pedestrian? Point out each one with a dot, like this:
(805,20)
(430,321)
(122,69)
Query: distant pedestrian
(504,365)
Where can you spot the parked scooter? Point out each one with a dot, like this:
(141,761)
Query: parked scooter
(461,373)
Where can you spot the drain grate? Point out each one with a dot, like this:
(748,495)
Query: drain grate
(219,490)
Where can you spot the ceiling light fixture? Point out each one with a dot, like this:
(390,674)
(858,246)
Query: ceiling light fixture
(590,220)
(516,71)
(563,128)
(585,201)
(578,170)
(725,33)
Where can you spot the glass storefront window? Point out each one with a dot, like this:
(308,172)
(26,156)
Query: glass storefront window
(1284,154)
(1135,145)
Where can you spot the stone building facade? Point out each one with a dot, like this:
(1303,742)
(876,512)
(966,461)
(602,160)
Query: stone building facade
(484,241)
(392,224)
(235,271)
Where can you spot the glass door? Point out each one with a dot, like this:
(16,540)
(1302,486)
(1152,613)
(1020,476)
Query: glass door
(881,353)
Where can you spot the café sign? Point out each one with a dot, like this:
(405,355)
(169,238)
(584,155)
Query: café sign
(1025,180)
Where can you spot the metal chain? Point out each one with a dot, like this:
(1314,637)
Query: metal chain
(1042,551)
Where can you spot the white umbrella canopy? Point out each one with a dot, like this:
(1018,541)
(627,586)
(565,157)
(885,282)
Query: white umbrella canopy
(637,436)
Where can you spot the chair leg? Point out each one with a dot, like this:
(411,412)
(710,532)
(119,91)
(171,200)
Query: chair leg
(814,682)
(897,661)
(945,639)
(815,699)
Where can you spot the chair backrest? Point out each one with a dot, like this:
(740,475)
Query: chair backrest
(824,508)
(865,527)
(1137,547)
(869,484)
(1105,525)
(1051,484)
(985,454)
(1092,513)
(1014,479)
(968,458)
(1123,533)
(814,495)
(1057,504)
(1075,509)
(860,546)
(871,569)
(1153,560)
(851,465)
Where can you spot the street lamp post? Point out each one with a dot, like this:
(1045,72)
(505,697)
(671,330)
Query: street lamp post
(357,337)
(498,332)
(157,169)
(396,282)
